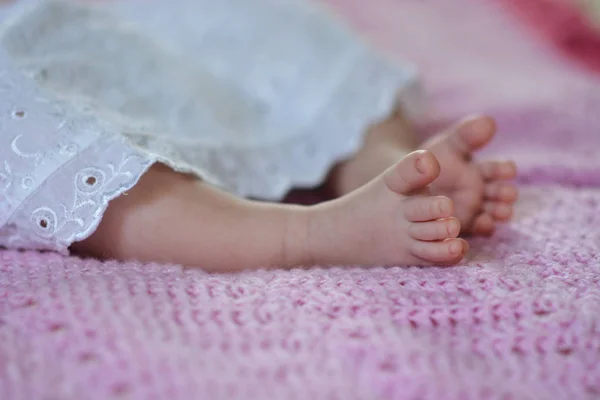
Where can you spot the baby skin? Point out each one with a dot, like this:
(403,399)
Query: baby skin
(394,206)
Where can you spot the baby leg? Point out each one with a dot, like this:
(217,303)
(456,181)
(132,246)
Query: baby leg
(173,218)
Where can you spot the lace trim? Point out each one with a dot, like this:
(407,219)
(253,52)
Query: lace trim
(58,168)
(369,93)
(70,204)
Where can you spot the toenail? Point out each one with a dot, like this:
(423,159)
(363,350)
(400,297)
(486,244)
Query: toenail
(510,168)
(442,207)
(482,123)
(451,227)
(420,165)
(455,248)
(509,192)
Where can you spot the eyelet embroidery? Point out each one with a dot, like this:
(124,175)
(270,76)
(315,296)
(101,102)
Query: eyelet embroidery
(68,149)
(89,180)
(18,114)
(27,182)
(58,168)
(44,219)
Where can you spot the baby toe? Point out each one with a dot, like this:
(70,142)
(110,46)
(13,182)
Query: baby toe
(483,225)
(501,191)
(414,172)
(498,170)
(435,230)
(449,251)
(499,211)
(472,134)
(421,209)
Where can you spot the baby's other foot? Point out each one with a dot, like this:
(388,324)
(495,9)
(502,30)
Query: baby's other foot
(392,220)
(481,192)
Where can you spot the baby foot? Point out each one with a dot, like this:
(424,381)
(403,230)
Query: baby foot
(481,195)
(392,220)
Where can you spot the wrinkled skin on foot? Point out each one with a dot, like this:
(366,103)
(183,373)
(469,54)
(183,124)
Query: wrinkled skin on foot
(481,192)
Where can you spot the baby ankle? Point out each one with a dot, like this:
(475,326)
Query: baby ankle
(296,241)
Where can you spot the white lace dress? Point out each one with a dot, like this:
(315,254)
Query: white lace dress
(256,97)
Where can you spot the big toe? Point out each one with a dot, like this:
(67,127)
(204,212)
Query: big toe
(414,172)
(472,134)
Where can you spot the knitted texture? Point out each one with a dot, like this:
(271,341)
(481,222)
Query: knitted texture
(518,320)
(573,26)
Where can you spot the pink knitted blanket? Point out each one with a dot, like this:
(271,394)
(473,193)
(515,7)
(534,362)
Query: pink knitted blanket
(573,26)
(519,320)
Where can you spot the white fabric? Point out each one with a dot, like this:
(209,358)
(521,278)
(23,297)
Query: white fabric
(257,97)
